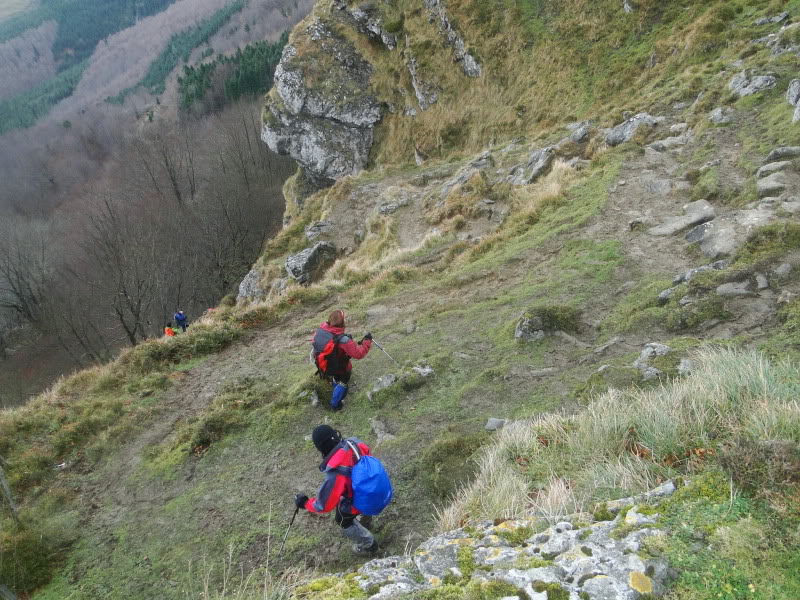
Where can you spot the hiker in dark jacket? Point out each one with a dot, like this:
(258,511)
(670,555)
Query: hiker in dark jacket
(180,320)
(336,491)
(332,332)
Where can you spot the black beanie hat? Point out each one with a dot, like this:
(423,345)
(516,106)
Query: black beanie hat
(325,438)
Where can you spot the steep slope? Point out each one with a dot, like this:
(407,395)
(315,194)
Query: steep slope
(527,274)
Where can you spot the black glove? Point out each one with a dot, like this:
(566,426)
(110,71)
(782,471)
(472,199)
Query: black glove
(367,336)
(300,500)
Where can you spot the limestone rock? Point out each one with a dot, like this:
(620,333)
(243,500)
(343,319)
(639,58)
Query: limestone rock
(687,276)
(738,289)
(384,382)
(423,370)
(783,270)
(774,167)
(695,212)
(783,153)
(793,93)
(494,424)
(379,431)
(776,19)
(309,264)
(427,93)
(636,519)
(581,134)
(368,22)
(625,131)
(761,282)
(747,83)
(685,367)
(462,56)
(250,287)
(325,124)
(670,143)
(725,234)
(538,164)
(771,185)
(318,229)
(649,352)
(720,116)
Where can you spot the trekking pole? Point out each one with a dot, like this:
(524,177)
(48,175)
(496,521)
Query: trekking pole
(374,341)
(286,535)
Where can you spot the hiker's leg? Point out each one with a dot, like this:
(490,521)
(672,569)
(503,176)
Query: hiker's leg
(354,531)
(366,521)
(345,378)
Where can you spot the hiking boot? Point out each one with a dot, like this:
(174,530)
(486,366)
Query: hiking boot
(368,551)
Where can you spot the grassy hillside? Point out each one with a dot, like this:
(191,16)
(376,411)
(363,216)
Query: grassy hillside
(139,478)
(597,60)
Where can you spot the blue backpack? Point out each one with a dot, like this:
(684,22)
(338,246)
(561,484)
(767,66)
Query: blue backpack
(372,490)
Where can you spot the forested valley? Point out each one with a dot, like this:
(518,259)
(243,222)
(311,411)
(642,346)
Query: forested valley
(156,199)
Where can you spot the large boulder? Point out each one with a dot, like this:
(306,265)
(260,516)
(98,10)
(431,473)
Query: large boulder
(624,132)
(307,265)
(321,111)
(748,83)
(250,288)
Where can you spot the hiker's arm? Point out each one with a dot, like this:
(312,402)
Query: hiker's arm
(357,351)
(328,495)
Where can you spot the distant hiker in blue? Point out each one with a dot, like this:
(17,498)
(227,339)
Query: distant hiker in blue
(180,320)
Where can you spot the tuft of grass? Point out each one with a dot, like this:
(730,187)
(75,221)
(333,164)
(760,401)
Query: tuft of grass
(626,440)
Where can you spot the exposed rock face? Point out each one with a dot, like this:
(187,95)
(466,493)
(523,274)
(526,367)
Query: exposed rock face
(250,287)
(793,97)
(468,63)
(320,111)
(538,164)
(624,132)
(367,21)
(592,561)
(309,264)
(747,83)
(776,19)
(427,93)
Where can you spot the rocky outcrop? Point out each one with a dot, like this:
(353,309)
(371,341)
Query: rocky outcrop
(538,164)
(250,287)
(367,20)
(624,132)
(793,97)
(571,559)
(438,13)
(307,265)
(747,83)
(321,111)
(427,93)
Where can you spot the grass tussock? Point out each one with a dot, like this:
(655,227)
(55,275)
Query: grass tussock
(627,441)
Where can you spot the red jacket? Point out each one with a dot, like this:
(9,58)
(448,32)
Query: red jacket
(348,345)
(337,486)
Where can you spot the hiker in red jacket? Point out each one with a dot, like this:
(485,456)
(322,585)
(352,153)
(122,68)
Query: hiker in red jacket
(332,351)
(336,491)
(333,348)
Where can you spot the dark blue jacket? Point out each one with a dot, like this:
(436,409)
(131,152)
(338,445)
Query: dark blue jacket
(180,319)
